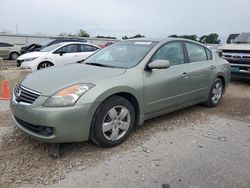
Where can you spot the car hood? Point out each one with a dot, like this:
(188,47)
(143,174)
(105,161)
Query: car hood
(51,80)
(32,55)
(235,47)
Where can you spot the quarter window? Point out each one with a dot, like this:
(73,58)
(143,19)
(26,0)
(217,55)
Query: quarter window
(173,52)
(209,54)
(87,48)
(196,52)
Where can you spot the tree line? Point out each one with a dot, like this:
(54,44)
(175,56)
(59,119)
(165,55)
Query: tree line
(212,38)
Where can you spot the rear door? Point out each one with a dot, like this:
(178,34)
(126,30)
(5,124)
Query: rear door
(5,50)
(85,50)
(167,88)
(201,68)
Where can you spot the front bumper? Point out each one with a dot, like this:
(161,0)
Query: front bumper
(240,64)
(69,124)
(240,69)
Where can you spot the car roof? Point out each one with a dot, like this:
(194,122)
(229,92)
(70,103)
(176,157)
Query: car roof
(66,43)
(163,40)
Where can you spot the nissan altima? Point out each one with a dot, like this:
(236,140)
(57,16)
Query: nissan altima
(116,89)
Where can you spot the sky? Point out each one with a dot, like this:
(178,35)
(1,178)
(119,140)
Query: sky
(152,18)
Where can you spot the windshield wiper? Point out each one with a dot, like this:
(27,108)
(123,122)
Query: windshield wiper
(99,64)
(240,42)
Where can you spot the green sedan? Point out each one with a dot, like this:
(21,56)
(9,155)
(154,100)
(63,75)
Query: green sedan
(117,88)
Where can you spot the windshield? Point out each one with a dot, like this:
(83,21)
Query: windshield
(242,38)
(124,54)
(45,43)
(51,48)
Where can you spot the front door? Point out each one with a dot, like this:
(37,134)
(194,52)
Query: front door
(167,88)
(66,55)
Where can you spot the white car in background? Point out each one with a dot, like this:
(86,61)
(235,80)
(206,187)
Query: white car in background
(57,55)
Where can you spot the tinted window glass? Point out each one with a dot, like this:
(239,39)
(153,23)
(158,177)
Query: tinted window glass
(209,54)
(87,48)
(196,52)
(51,48)
(54,42)
(172,52)
(72,48)
(5,44)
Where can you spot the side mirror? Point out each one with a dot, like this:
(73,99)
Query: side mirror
(159,64)
(62,52)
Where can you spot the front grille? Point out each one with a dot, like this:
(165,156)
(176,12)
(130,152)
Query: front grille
(18,63)
(42,130)
(25,95)
(237,51)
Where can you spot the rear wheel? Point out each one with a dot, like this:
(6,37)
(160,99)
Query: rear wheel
(14,55)
(113,121)
(215,94)
(44,65)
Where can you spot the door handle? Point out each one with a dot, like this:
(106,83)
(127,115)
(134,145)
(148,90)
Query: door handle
(184,74)
(212,67)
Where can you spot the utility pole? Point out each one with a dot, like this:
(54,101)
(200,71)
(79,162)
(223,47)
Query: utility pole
(16,29)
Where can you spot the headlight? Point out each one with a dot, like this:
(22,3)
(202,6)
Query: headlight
(68,96)
(29,59)
(219,52)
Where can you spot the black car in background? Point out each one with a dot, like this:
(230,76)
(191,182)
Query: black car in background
(38,47)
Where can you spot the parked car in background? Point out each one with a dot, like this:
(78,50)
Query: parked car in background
(238,54)
(38,47)
(56,55)
(117,88)
(231,37)
(9,51)
(106,44)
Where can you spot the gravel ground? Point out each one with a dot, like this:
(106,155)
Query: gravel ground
(9,63)
(194,147)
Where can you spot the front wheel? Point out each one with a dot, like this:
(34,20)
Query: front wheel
(113,121)
(44,65)
(14,55)
(215,94)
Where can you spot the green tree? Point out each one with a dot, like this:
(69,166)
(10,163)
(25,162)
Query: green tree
(124,37)
(136,36)
(212,38)
(190,37)
(83,33)
(105,37)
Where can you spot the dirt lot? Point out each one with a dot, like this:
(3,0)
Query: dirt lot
(194,147)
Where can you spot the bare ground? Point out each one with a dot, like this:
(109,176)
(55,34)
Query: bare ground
(194,147)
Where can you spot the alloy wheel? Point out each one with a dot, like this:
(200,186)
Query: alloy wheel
(217,92)
(116,123)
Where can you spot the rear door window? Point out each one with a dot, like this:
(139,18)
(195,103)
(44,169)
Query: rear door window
(196,53)
(86,48)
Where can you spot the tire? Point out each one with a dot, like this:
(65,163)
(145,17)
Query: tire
(14,55)
(215,93)
(44,64)
(113,121)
